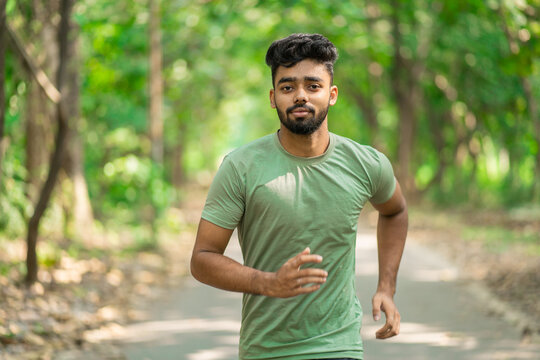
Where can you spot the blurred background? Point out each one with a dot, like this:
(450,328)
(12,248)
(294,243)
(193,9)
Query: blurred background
(115,115)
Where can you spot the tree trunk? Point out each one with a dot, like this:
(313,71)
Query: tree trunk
(532,106)
(80,216)
(38,134)
(56,160)
(366,105)
(156,84)
(79,209)
(39,113)
(2,79)
(155,116)
(405,93)
(38,139)
(436,125)
(366,102)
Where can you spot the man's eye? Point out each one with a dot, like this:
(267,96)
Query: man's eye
(286,88)
(314,86)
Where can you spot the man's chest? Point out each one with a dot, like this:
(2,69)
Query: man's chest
(302,194)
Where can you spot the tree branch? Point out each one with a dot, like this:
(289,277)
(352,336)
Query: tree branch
(44,82)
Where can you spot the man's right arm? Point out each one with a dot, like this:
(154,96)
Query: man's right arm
(210,266)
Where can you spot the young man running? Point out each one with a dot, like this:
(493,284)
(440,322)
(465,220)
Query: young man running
(295,197)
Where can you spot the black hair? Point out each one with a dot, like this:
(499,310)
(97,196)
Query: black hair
(297,47)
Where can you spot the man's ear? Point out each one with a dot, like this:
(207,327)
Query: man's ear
(333,95)
(272,99)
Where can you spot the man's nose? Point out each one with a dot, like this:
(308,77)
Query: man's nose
(300,96)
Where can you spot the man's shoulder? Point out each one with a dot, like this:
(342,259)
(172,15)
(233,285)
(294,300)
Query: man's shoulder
(364,160)
(351,147)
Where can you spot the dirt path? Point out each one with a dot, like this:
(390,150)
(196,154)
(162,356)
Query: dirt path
(443,316)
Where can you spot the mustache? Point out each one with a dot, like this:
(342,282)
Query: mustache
(296,106)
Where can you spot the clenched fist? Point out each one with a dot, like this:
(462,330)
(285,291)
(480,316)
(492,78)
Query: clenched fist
(289,280)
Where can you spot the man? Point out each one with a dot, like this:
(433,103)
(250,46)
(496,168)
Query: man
(295,197)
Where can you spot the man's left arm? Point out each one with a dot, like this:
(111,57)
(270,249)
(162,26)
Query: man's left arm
(391,235)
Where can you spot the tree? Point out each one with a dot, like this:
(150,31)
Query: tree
(2,77)
(156,84)
(405,80)
(448,90)
(57,157)
(79,214)
(39,112)
(517,48)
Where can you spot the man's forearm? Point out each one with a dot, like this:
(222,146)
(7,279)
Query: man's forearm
(223,272)
(391,235)
(210,266)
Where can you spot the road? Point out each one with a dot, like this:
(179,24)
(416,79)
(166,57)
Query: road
(442,317)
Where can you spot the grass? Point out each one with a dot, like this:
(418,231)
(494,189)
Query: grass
(498,230)
(499,239)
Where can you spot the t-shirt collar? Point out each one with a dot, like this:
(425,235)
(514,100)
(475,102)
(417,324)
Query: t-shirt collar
(306,160)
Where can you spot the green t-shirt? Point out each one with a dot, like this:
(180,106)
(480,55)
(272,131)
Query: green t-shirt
(281,204)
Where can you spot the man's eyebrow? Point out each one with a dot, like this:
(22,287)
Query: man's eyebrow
(313,78)
(306,78)
(286,79)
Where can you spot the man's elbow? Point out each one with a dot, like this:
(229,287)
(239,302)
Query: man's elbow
(194,265)
(400,211)
(402,208)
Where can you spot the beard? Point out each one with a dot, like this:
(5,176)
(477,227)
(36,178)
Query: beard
(304,125)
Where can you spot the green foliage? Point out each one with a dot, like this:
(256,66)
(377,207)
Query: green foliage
(130,182)
(474,122)
(49,254)
(14,205)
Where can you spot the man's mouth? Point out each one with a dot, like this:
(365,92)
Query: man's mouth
(300,112)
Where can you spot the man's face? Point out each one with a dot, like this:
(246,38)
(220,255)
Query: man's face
(302,95)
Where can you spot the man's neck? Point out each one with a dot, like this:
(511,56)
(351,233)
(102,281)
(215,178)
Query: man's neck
(305,145)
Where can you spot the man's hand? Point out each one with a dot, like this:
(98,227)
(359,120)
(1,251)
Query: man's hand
(383,301)
(289,280)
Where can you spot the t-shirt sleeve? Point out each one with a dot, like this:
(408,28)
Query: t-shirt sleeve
(225,202)
(385,183)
